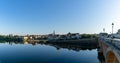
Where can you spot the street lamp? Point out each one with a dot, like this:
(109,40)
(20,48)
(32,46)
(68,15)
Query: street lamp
(112,27)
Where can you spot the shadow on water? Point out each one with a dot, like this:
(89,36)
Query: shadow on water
(101,58)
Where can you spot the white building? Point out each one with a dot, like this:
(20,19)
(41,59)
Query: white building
(73,36)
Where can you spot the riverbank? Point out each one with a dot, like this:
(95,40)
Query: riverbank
(76,42)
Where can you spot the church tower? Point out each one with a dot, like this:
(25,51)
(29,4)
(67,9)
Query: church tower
(54,33)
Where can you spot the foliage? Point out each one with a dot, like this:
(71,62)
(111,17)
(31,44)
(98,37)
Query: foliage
(9,38)
(88,36)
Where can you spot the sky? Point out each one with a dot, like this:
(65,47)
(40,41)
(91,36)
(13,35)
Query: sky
(44,16)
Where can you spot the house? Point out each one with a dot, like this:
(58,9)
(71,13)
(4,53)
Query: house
(62,37)
(73,36)
(25,38)
(53,37)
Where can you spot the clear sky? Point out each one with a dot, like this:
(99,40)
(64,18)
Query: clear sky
(43,16)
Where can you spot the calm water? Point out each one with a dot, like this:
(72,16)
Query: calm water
(40,53)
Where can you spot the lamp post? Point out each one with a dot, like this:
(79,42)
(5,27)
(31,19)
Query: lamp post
(112,33)
(112,27)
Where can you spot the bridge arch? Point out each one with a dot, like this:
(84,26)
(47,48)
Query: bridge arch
(111,58)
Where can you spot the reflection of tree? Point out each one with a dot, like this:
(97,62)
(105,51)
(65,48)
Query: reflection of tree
(7,38)
(11,42)
(58,46)
(73,47)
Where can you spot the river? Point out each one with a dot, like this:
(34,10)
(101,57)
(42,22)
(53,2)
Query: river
(11,52)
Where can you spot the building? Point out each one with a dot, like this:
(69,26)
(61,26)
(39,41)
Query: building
(73,36)
(103,35)
(117,35)
(25,38)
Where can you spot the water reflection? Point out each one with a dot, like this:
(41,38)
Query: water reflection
(72,47)
(101,58)
(75,47)
(41,53)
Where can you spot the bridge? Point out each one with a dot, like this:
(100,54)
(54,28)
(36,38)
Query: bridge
(110,48)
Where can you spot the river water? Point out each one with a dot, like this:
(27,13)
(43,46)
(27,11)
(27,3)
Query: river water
(46,53)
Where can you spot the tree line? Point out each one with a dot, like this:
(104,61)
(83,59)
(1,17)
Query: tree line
(88,35)
(10,38)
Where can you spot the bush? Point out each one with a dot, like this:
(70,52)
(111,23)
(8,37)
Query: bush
(8,38)
(88,36)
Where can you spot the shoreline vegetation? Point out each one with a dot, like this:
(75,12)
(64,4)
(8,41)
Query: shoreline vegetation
(10,38)
(81,42)
(85,38)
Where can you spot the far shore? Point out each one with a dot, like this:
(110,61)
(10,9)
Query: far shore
(80,41)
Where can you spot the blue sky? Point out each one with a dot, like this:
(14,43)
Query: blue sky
(43,16)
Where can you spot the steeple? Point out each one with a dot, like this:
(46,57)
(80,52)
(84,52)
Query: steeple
(104,30)
(54,33)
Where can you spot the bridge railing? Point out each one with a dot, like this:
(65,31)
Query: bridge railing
(113,42)
(110,44)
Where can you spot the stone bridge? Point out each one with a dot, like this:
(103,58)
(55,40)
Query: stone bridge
(110,48)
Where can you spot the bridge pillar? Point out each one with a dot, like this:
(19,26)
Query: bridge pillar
(100,49)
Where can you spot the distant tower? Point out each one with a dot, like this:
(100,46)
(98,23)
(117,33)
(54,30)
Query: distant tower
(54,33)
(104,30)
(112,27)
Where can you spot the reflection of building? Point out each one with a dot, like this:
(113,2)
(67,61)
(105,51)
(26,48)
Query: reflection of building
(26,43)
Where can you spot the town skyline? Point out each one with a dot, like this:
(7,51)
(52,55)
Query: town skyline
(21,17)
